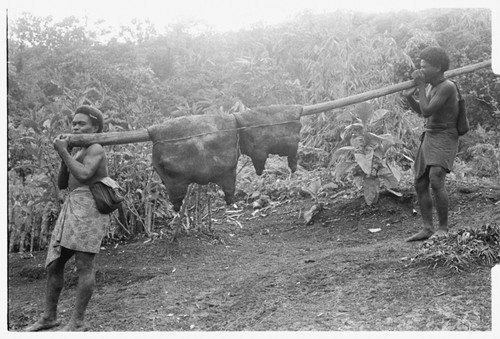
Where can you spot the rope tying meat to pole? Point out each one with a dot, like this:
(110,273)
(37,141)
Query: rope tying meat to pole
(221,131)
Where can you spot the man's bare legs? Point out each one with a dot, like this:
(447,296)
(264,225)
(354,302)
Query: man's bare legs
(55,281)
(433,178)
(85,289)
(437,176)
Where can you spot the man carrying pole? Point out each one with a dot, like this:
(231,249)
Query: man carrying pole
(80,227)
(438,104)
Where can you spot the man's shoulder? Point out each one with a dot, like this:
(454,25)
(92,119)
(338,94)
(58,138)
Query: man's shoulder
(447,87)
(449,84)
(94,150)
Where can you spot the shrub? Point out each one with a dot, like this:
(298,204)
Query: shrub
(462,249)
(366,156)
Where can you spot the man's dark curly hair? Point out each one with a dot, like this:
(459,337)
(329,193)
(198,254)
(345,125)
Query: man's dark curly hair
(94,114)
(436,56)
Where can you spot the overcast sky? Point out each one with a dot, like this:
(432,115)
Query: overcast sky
(224,15)
(219,14)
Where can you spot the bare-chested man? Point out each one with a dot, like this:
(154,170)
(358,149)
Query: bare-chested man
(438,104)
(80,227)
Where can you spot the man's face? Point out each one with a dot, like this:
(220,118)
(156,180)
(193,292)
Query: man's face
(430,71)
(82,124)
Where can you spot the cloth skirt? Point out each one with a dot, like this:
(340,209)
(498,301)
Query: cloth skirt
(79,227)
(437,148)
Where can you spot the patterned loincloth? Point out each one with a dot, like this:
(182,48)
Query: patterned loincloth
(80,226)
(438,147)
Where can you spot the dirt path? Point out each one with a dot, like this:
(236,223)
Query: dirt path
(275,273)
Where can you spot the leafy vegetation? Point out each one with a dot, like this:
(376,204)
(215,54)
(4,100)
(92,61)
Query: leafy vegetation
(366,158)
(141,75)
(462,249)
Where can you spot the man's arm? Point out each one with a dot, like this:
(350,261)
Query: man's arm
(429,108)
(63,177)
(82,171)
(413,104)
(86,170)
(408,95)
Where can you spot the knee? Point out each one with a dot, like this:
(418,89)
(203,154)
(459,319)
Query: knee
(421,186)
(437,179)
(55,276)
(86,275)
(83,268)
(84,263)
(55,268)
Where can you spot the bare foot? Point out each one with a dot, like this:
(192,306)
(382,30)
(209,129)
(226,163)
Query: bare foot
(42,324)
(439,233)
(74,326)
(424,234)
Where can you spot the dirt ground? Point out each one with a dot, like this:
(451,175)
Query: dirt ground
(276,273)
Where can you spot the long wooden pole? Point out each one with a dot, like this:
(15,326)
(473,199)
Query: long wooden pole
(354,99)
(110,138)
(142,135)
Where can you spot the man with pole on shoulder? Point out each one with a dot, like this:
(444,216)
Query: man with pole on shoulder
(80,227)
(438,104)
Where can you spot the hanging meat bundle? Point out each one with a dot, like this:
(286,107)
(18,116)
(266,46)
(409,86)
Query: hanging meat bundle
(270,130)
(199,149)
